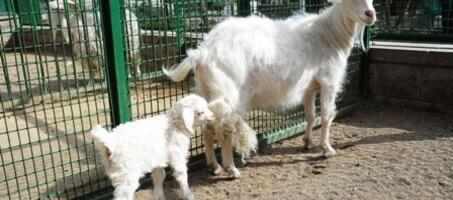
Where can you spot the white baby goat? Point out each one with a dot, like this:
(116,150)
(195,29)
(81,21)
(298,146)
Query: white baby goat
(148,145)
(256,62)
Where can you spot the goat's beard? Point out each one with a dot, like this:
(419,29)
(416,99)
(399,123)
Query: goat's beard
(360,39)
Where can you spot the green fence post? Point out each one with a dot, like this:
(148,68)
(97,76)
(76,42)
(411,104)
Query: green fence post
(117,78)
(363,82)
(179,23)
(367,37)
(29,11)
(244,7)
(6,13)
(19,28)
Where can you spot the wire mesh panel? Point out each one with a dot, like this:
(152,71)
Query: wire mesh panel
(421,20)
(53,83)
(52,89)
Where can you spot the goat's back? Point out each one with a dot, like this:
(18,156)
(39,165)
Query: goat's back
(254,58)
(142,142)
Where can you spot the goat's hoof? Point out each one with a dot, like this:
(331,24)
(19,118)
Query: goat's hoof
(234,173)
(309,145)
(188,196)
(329,154)
(160,197)
(216,169)
(243,162)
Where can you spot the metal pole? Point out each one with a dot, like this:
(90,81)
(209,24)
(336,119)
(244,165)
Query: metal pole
(244,7)
(302,7)
(178,9)
(117,78)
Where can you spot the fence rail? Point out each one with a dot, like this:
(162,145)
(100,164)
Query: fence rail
(66,67)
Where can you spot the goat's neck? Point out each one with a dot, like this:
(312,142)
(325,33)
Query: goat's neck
(176,122)
(338,30)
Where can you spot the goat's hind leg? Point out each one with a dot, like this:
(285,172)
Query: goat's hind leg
(211,160)
(125,186)
(227,156)
(224,134)
(158,180)
(327,114)
(310,113)
(180,173)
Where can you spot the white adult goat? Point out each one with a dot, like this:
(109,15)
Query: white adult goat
(81,29)
(149,145)
(256,62)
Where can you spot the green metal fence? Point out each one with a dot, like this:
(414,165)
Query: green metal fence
(421,20)
(58,80)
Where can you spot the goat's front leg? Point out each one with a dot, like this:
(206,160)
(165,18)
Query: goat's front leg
(211,160)
(310,113)
(180,173)
(158,180)
(125,186)
(328,95)
(227,156)
(136,64)
(137,59)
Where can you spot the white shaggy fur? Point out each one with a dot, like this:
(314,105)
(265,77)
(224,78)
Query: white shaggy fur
(256,62)
(148,145)
(230,126)
(82,30)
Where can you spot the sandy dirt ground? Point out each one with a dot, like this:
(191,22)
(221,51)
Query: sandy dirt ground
(385,152)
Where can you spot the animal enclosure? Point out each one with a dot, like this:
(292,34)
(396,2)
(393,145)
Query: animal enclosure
(69,65)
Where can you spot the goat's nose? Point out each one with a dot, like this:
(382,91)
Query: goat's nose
(369,13)
(211,119)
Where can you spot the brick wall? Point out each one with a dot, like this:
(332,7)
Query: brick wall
(412,75)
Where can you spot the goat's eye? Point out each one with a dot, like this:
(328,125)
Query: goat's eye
(200,112)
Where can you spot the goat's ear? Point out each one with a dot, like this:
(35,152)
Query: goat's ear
(188,118)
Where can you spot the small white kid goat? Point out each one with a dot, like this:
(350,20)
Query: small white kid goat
(255,62)
(82,30)
(149,145)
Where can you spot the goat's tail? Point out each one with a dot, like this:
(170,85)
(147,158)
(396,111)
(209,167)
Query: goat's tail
(180,72)
(245,140)
(103,142)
